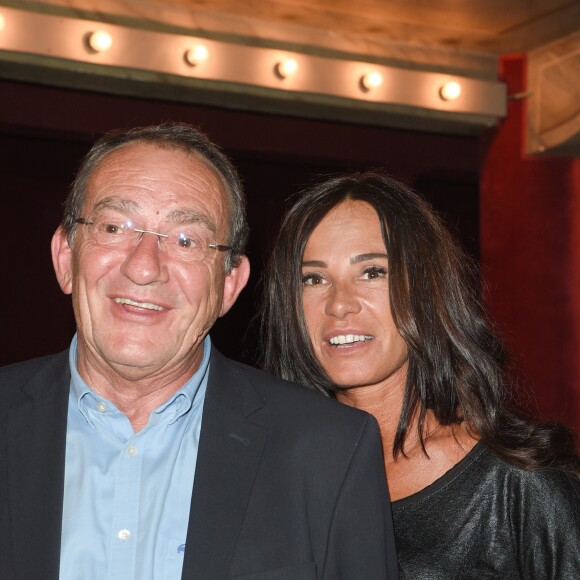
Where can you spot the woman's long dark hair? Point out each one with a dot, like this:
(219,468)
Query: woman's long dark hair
(456,361)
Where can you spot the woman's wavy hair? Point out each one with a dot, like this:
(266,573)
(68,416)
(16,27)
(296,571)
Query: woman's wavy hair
(456,361)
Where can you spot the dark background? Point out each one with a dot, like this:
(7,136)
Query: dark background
(44,133)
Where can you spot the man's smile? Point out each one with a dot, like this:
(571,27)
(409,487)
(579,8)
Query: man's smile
(146,305)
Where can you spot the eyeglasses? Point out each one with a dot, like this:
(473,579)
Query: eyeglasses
(187,244)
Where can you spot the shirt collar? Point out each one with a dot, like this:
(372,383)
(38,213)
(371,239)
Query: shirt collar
(177,405)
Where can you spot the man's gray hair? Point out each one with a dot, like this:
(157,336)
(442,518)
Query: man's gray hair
(166,135)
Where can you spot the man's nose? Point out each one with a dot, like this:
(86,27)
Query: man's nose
(145,262)
(342,300)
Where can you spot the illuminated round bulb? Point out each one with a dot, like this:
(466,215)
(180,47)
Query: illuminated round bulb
(100,41)
(286,68)
(196,55)
(450,91)
(1,22)
(372,80)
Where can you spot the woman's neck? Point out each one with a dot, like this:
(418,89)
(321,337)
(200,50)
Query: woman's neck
(384,401)
(413,471)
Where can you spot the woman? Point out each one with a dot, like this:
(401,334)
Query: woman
(368,299)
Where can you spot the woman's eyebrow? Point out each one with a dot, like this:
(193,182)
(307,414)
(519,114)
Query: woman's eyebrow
(354,260)
(314,264)
(367,257)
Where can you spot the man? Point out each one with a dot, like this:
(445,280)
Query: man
(142,453)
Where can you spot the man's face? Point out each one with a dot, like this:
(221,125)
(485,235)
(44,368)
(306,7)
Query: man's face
(140,311)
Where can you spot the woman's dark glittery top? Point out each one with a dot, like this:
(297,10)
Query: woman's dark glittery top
(487,519)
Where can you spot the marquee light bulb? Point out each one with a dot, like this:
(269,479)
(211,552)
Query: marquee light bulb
(285,68)
(450,91)
(100,41)
(196,55)
(371,80)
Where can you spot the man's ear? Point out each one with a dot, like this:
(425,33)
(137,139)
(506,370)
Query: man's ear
(62,260)
(234,283)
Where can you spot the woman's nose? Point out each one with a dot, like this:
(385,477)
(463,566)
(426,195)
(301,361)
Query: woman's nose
(342,300)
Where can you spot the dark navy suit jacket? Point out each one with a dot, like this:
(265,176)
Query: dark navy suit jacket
(289,485)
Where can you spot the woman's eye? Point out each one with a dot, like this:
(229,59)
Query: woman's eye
(312,279)
(374,272)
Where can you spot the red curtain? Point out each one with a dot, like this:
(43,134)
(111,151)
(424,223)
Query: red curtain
(530,253)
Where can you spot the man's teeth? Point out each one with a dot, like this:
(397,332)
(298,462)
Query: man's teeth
(349,338)
(147,305)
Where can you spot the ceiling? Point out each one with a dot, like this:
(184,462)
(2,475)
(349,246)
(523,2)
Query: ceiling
(461,33)
(461,37)
(494,26)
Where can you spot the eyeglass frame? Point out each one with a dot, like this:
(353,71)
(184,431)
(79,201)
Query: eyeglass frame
(91,221)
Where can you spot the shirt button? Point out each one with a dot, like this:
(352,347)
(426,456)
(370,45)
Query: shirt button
(124,535)
(101,407)
(131,451)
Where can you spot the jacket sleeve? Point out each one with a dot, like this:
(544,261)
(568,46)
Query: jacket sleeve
(361,542)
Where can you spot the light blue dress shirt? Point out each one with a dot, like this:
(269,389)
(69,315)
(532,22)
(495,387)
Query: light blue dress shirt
(127,495)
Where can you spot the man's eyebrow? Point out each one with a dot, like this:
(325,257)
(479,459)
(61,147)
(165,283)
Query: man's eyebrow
(179,216)
(189,216)
(117,203)
(367,257)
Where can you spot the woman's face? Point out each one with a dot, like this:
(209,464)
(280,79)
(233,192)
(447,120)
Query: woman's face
(346,298)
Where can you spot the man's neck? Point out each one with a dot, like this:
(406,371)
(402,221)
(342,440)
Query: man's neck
(135,392)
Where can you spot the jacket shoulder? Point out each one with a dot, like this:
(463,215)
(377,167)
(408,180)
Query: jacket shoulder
(14,377)
(302,407)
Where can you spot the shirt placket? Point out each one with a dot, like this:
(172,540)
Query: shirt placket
(125,523)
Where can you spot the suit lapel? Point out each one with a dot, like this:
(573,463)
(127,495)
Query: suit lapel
(229,454)
(36,441)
